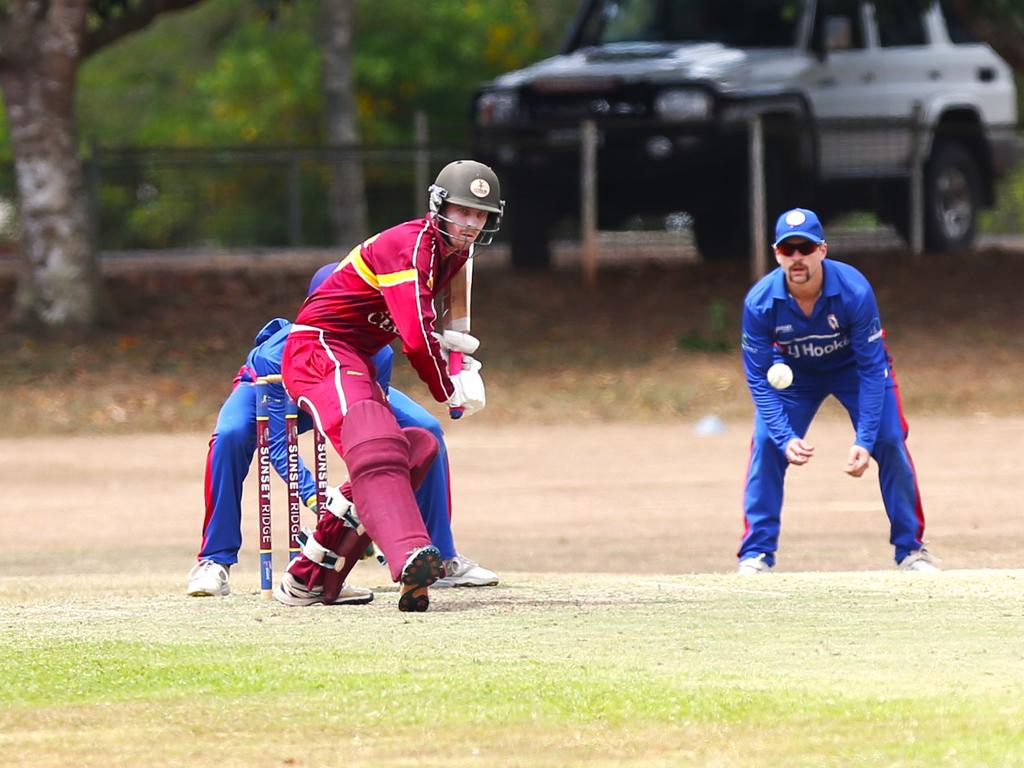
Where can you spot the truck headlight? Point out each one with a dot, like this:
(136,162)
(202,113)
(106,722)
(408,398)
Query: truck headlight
(497,107)
(683,104)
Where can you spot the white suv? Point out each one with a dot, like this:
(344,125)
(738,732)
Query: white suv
(843,90)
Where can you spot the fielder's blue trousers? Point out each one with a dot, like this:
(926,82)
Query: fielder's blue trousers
(762,498)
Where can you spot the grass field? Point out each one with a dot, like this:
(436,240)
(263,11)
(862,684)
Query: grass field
(812,669)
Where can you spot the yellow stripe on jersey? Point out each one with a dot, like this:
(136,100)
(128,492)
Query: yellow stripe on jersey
(356,260)
(394,278)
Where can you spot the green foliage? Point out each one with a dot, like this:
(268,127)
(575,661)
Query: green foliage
(434,58)
(715,337)
(265,85)
(223,73)
(227,72)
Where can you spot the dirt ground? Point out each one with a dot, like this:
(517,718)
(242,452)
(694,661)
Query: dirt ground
(630,498)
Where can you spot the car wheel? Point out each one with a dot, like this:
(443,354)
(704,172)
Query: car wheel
(952,198)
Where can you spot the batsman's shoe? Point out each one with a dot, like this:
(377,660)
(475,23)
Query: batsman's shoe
(919,560)
(460,571)
(755,564)
(208,579)
(292,591)
(421,569)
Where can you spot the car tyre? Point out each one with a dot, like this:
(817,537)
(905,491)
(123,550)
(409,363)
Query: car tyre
(952,198)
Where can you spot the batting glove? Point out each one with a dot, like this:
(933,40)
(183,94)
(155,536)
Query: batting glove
(457,341)
(469,395)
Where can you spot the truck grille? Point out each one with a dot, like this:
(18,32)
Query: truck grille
(578,106)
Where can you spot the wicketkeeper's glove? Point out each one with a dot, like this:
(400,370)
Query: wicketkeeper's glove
(311,504)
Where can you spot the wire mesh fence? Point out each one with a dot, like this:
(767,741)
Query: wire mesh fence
(231,197)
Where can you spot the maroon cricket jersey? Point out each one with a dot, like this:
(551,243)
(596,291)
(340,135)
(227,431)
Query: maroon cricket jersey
(384,289)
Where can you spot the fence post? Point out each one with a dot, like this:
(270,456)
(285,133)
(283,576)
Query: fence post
(421,163)
(917,136)
(758,251)
(294,201)
(588,201)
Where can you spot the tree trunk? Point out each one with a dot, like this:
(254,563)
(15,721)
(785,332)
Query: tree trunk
(58,279)
(347,194)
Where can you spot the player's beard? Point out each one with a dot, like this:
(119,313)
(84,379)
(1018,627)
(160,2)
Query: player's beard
(799,274)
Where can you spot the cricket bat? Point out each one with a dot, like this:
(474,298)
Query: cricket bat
(456,318)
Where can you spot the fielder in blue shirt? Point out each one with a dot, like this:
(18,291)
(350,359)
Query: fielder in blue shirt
(819,317)
(233,445)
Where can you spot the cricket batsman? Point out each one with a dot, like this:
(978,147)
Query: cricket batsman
(383,290)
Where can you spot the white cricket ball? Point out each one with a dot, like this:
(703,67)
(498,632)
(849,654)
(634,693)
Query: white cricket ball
(780,375)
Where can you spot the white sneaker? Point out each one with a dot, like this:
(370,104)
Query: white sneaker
(919,560)
(462,572)
(753,565)
(208,579)
(291,591)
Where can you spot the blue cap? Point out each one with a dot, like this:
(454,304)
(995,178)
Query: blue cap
(321,274)
(799,222)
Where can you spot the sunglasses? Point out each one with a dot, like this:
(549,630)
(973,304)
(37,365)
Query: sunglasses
(787,248)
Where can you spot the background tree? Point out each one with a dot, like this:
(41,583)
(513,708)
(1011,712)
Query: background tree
(42,46)
(347,198)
